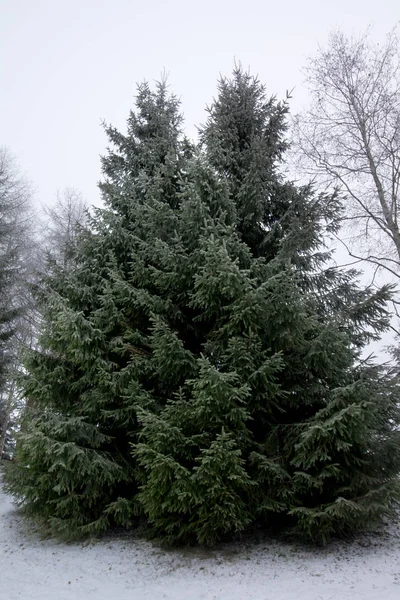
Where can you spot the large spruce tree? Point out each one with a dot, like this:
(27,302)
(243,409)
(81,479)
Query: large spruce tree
(201,365)
(310,428)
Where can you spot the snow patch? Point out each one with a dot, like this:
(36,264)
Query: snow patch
(132,569)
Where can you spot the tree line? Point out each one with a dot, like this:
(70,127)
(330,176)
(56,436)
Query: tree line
(197,361)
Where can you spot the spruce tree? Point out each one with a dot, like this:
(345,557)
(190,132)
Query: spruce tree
(312,421)
(316,452)
(201,365)
(92,366)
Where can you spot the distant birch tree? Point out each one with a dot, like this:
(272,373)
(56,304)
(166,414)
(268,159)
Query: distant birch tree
(62,223)
(350,137)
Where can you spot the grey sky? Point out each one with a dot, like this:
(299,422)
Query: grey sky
(67,64)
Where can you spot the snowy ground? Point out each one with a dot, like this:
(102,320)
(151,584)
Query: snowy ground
(131,569)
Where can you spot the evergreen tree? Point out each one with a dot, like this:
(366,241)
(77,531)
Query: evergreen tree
(200,365)
(92,368)
(244,139)
(312,421)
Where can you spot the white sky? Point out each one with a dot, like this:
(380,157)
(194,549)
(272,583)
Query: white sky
(65,65)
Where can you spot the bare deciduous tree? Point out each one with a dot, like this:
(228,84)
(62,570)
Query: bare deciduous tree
(350,137)
(62,223)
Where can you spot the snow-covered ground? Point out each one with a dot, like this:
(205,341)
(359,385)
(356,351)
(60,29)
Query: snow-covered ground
(131,569)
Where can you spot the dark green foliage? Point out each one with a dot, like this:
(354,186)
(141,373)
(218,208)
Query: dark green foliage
(93,368)
(245,139)
(201,365)
(195,480)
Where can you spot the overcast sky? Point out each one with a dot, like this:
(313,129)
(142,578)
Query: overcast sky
(66,65)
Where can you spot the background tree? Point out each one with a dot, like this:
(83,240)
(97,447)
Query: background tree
(350,138)
(16,244)
(60,228)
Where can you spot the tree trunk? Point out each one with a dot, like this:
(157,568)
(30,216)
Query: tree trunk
(8,410)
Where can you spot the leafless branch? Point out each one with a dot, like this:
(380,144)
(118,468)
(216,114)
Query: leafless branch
(349,138)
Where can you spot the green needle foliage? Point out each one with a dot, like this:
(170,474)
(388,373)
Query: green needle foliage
(200,367)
